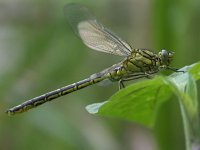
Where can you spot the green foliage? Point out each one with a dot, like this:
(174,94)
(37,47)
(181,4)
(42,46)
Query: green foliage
(140,102)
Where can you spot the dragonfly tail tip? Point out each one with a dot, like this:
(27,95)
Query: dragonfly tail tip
(9,112)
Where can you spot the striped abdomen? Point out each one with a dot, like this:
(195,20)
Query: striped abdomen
(55,94)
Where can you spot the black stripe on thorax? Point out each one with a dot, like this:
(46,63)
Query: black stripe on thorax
(147,56)
(135,64)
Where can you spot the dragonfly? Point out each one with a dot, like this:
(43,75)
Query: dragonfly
(136,64)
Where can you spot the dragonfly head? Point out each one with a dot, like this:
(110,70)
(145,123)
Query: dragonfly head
(165,57)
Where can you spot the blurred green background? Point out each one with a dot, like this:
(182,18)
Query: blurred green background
(39,52)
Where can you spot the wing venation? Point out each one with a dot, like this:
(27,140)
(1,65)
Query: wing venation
(93,34)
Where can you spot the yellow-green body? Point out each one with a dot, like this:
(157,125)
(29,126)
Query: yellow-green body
(137,63)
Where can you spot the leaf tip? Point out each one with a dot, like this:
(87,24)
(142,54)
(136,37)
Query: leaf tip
(94,108)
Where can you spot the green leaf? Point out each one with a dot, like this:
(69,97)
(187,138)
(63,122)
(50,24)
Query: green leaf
(184,87)
(140,102)
(194,70)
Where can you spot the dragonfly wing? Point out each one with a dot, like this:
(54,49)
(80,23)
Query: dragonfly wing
(93,34)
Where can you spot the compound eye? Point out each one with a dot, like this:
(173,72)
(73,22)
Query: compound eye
(164,53)
(164,56)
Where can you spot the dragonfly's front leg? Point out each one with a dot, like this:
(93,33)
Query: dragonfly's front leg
(172,69)
(175,69)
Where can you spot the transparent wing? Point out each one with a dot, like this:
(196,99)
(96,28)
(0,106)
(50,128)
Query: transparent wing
(92,33)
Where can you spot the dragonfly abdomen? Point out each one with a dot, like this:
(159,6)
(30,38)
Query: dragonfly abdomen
(55,94)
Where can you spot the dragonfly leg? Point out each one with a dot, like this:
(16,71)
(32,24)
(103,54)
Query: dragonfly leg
(133,77)
(121,84)
(149,76)
(175,69)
